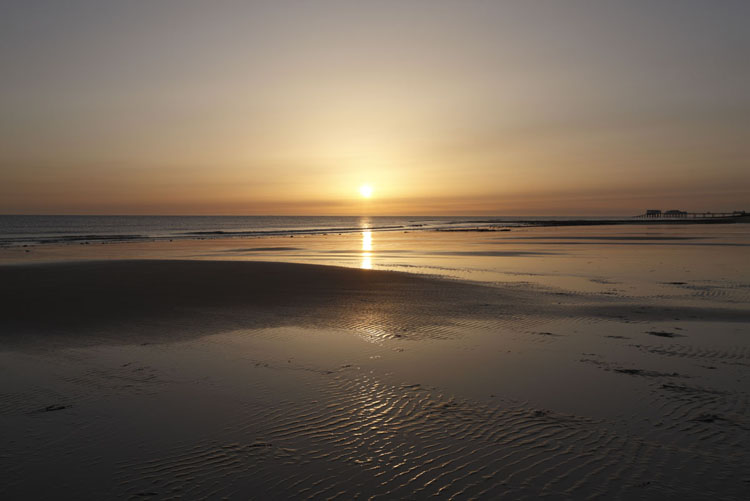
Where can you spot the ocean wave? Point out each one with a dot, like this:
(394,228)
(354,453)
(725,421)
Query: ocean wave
(65,239)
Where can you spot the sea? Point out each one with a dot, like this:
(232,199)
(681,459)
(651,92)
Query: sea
(19,230)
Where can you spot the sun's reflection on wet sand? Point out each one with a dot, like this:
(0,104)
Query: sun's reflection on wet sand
(366,263)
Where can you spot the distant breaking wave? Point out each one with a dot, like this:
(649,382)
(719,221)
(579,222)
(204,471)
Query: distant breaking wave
(44,230)
(302,231)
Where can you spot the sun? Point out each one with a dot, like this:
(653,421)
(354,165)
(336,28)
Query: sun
(366,190)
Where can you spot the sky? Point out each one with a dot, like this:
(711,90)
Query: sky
(535,107)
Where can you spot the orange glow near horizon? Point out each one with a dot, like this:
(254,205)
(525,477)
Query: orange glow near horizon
(466,111)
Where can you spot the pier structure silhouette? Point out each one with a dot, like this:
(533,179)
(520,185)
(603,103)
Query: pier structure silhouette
(680,214)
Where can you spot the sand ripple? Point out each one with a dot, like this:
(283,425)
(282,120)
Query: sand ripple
(375,440)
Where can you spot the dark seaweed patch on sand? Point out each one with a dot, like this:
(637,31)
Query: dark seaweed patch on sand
(664,334)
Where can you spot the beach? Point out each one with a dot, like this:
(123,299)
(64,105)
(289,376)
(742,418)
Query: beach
(608,362)
(337,250)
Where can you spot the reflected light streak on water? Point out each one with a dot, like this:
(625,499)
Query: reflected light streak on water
(366,250)
(367,241)
(366,263)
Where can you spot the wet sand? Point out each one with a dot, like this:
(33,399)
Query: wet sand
(160,379)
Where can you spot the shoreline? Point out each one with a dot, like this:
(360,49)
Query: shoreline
(606,222)
(467,225)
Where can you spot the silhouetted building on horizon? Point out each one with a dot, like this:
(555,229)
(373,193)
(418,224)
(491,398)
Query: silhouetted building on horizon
(675,213)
